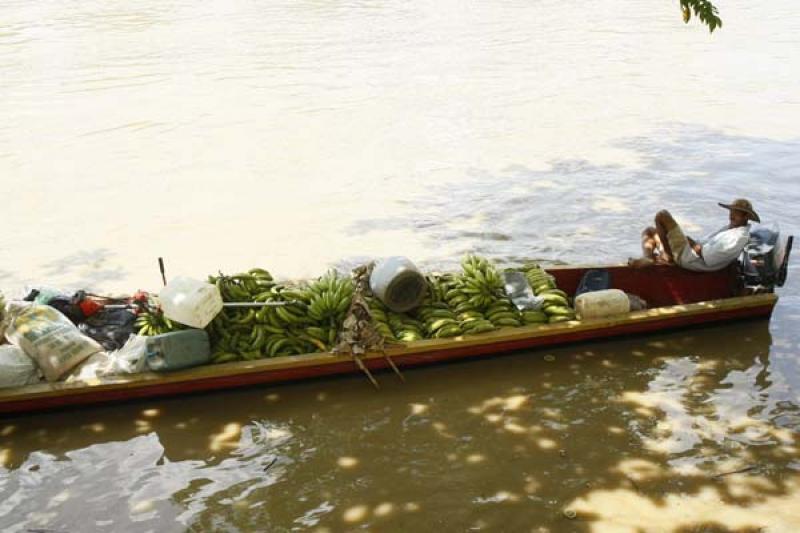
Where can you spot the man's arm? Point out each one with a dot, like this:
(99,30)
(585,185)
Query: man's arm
(696,246)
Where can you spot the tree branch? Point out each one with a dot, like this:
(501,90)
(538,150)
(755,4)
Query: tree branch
(704,10)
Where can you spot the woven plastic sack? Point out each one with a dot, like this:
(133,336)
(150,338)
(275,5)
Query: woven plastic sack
(49,338)
(16,368)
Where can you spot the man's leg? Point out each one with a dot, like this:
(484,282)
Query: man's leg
(661,258)
(656,248)
(664,224)
(649,242)
(651,250)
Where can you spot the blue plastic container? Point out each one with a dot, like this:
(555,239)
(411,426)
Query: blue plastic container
(177,350)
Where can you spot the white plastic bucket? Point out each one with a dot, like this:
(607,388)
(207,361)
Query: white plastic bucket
(398,283)
(601,304)
(190,302)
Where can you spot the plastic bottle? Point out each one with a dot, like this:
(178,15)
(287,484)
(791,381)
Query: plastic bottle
(601,304)
(190,302)
(398,283)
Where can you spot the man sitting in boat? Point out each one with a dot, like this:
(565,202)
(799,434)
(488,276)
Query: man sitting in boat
(667,244)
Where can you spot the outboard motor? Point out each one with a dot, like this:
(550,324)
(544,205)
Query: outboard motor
(765,259)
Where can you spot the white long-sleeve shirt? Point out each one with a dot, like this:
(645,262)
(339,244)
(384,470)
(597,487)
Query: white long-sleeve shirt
(720,249)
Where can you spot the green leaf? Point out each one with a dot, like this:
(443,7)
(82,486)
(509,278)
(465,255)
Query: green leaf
(704,10)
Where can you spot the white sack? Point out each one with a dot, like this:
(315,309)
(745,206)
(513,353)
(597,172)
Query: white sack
(129,359)
(49,338)
(16,368)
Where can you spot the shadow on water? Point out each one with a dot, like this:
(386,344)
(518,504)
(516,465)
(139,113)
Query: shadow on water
(686,169)
(661,424)
(85,268)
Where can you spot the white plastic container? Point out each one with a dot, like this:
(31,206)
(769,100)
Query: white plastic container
(601,304)
(398,283)
(190,302)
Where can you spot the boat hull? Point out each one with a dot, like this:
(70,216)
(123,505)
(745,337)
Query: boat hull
(44,397)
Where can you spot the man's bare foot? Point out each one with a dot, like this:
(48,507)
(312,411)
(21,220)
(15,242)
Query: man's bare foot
(640,262)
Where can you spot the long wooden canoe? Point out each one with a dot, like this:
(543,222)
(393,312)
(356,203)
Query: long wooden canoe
(677,298)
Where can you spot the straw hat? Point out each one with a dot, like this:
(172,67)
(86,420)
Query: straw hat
(740,204)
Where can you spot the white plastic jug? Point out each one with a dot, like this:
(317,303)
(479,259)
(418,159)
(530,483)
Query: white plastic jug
(191,302)
(601,304)
(398,283)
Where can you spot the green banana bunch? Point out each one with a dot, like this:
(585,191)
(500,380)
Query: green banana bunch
(534,317)
(309,320)
(503,313)
(437,286)
(251,286)
(464,306)
(292,342)
(262,343)
(250,340)
(323,338)
(556,305)
(538,279)
(438,320)
(249,333)
(286,316)
(380,318)
(482,282)
(219,357)
(227,336)
(405,328)
(329,298)
(152,321)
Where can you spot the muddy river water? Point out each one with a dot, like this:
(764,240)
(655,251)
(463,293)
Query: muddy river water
(301,135)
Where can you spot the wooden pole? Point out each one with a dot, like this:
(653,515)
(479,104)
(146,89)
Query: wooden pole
(161,268)
(364,369)
(394,367)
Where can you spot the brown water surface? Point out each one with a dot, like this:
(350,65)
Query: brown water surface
(298,135)
(659,433)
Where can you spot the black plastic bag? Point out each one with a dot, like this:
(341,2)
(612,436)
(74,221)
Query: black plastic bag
(594,280)
(69,306)
(109,327)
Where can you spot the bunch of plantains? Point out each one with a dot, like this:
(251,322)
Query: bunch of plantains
(307,317)
(405,327)
(304,318)
(556,306)
(437,319)
(395,326)
(476,297)
(380,318)
(486,302)
(151,321)
(450,289)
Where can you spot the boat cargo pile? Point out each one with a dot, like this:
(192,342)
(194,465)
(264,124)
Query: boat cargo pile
(468,303)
